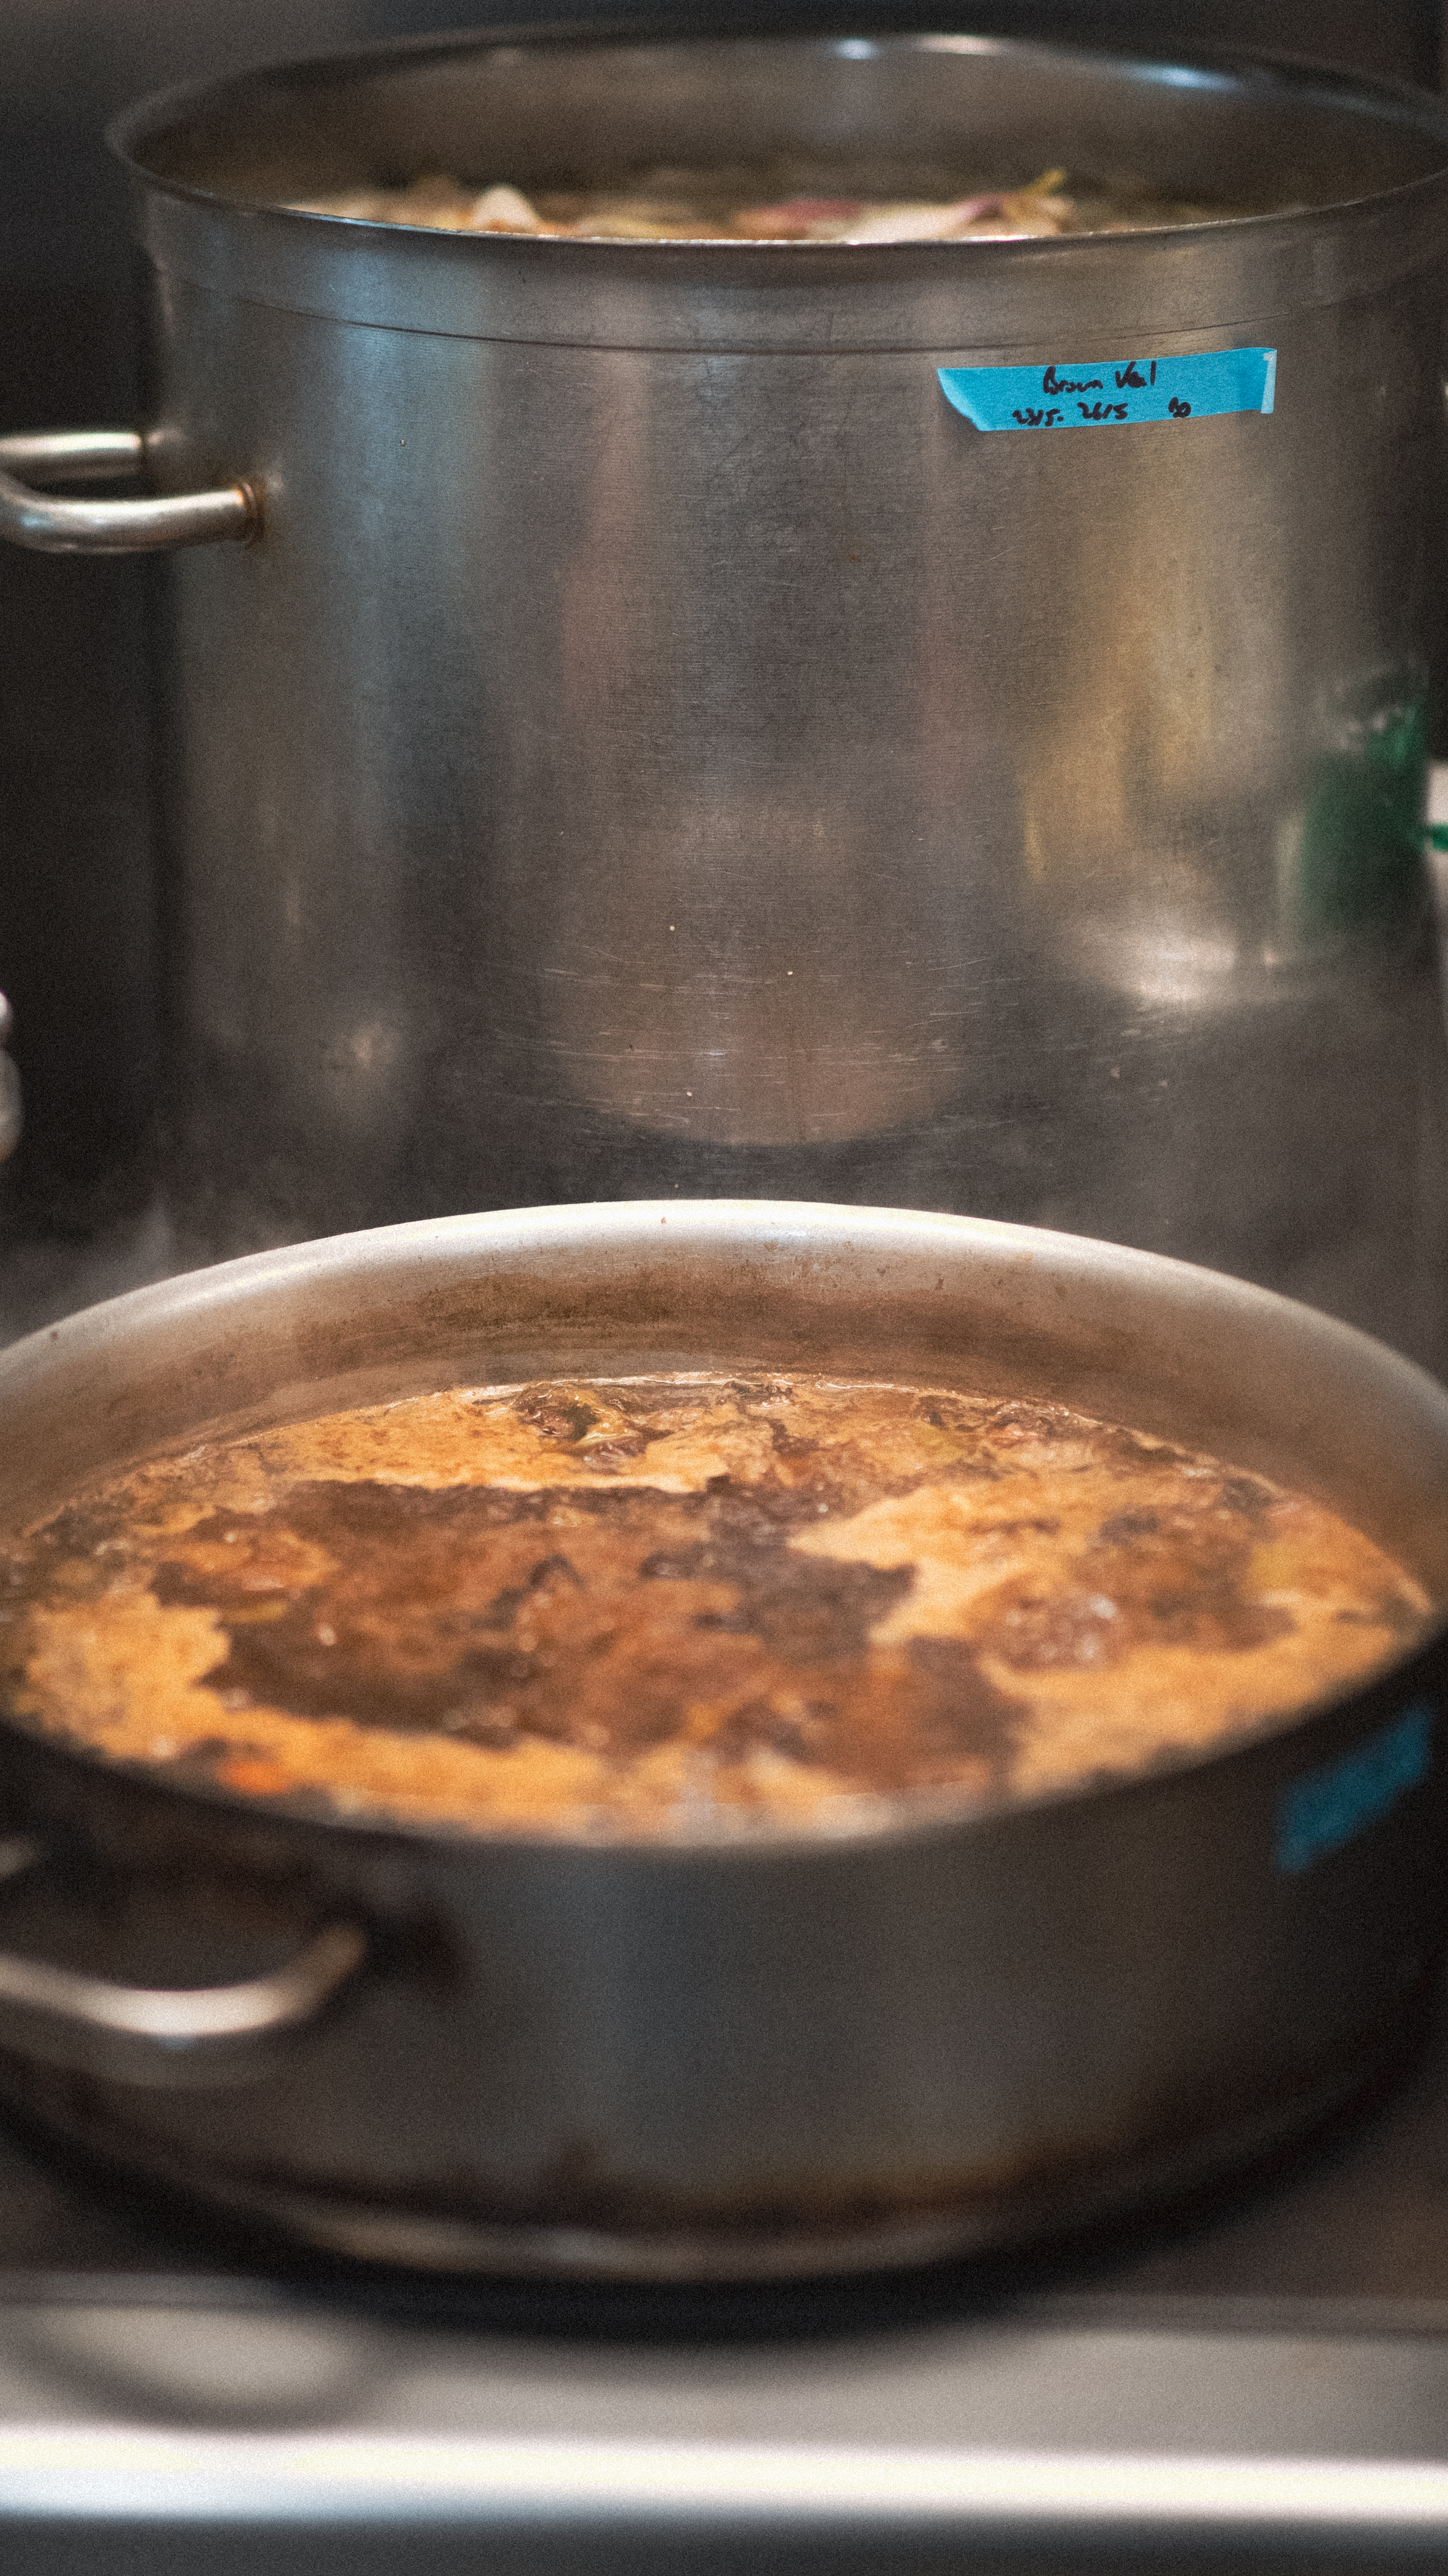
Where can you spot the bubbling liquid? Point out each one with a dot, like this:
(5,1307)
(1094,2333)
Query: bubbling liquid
(685,1605)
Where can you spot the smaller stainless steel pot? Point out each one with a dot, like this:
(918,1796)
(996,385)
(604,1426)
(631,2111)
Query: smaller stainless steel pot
(757,2054)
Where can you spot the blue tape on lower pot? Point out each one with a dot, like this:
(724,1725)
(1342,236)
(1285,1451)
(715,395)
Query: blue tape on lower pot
(1114,393)
(1326,1809)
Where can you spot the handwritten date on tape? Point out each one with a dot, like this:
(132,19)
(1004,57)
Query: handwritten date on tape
(1105,393)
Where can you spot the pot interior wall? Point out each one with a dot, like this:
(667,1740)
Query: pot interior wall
(547,112)
(632,1287)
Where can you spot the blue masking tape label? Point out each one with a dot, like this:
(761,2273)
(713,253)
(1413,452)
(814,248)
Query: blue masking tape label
(1326,1809)
(1104,393)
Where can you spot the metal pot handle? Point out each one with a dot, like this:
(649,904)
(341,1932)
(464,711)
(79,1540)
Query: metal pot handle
(164,2034)
(30,518)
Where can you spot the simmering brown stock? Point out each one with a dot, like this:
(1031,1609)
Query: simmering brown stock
(686,1604)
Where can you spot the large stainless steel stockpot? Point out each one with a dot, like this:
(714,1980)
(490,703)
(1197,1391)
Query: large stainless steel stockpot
(651,739)
(762,2052)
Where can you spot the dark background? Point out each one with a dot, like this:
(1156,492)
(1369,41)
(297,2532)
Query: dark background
(76,941)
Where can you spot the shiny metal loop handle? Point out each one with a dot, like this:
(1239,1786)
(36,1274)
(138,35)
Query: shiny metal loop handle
(165,2034)
(31,518)
(11,1113)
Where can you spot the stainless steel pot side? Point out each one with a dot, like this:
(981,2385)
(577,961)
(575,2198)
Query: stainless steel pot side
(649,740)
(758,2054)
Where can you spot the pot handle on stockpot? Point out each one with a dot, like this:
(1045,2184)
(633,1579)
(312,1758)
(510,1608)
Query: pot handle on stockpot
(30,517)
(167,2035)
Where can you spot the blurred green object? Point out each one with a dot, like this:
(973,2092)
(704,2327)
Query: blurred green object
(1361,853)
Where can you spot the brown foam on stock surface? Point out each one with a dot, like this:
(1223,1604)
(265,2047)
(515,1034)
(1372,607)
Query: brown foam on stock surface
(678,1604)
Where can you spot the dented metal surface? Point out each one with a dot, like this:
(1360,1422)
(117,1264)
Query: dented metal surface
(758,2054)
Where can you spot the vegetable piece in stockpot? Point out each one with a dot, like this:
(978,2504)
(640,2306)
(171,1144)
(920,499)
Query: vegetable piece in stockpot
(741,205)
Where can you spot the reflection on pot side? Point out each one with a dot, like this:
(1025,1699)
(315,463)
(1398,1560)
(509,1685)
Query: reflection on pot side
(1358,860)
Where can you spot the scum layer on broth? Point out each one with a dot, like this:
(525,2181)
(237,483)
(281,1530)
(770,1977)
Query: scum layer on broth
(684,1604)
(774,203)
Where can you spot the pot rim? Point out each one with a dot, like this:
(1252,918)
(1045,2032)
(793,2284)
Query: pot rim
(99,1334)
(1400,103)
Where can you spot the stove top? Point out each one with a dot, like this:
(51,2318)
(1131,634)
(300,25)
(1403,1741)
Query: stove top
(1258,2381)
